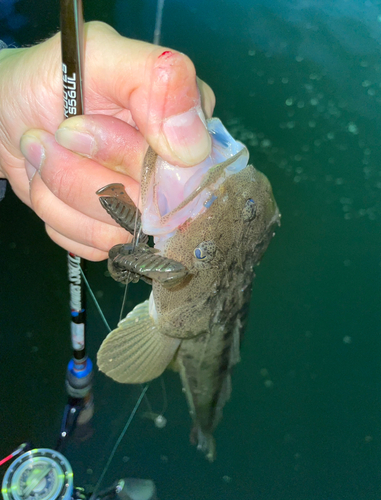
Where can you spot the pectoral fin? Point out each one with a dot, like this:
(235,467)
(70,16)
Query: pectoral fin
(136,351)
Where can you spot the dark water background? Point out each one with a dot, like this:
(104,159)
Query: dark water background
(300,83)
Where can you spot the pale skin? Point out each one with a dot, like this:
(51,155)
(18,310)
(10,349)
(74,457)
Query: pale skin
(135,94)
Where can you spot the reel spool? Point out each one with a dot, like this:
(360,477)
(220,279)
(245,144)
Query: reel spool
(39,474)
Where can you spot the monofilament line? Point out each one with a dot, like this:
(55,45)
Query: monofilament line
(135,409)
(159,17)
(95,301)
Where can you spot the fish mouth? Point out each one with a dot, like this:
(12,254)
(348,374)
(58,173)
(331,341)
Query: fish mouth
(177,194)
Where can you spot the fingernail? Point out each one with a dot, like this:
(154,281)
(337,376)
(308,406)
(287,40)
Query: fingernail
(34,153)
(79,142)
(30,170)
(188,137)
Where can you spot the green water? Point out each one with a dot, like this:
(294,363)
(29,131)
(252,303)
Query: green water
(300,84)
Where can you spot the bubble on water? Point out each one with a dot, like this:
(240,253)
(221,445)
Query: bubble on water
(289,101)
(160,422)
(265,143)
(299,58)
(346,201)
(284,80)
(366,83)
(347,339)
(251,52)
(352,128)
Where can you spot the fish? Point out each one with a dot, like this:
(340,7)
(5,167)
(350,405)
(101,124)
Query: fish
(211,225)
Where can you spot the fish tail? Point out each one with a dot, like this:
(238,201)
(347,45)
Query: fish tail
(204,442)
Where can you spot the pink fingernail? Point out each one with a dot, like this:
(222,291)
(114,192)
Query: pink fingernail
(33,150)
(187,136)
(79,142)
(30,170)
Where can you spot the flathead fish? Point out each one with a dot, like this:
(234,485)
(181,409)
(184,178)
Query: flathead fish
(211,225)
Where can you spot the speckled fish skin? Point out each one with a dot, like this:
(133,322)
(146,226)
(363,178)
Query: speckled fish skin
(208,311)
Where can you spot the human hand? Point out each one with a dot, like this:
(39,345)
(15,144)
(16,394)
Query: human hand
(133,92)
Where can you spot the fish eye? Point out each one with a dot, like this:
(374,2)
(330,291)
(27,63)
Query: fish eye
(249,211)
(205,251)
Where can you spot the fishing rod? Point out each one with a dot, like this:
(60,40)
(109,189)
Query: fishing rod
(43,472)
(80,368)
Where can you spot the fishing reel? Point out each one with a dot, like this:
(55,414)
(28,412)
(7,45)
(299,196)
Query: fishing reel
(45,474)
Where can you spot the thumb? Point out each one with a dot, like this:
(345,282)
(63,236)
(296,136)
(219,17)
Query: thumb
(175,124)
(158,87)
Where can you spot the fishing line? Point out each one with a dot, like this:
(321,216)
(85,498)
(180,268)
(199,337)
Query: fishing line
(137,404)
(158,418)
(135,241)
(123,303)
(158,22)
(164,390)
(95,301)
(165,401)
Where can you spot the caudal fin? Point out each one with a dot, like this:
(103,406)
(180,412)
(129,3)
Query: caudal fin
(204,441)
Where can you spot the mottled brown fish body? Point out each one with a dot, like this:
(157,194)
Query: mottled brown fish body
(208,312)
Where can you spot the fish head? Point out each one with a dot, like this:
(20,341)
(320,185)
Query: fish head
(214,218)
